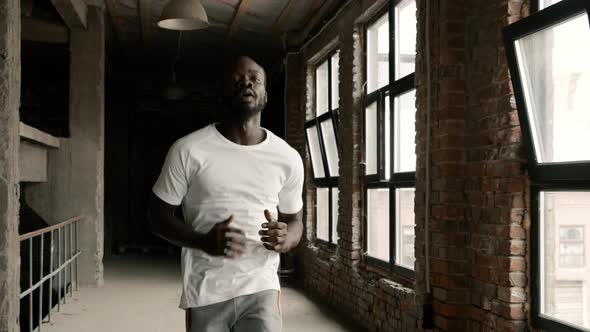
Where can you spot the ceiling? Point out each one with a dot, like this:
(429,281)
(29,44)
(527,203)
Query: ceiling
(256,27)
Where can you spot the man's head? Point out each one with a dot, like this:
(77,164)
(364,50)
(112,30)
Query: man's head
(245,87)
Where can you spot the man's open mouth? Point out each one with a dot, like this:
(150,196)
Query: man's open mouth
(246,94)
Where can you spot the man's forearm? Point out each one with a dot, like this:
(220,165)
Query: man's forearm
(294,228)
(295,231)
(173,230)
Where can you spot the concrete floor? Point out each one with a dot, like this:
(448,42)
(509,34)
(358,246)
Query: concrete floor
(141,294)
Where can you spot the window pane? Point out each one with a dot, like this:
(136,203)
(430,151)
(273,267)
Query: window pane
(405,132)
(405,221)
(405,37)
(334,80)
(570,296)
(329,136)
(555,71)
(547,3)
(335,215)
(371,139)
(571,246)
(378,54)
(378,223)
(315,152)
(321,88)
(564,273)
(387,138)
(322,213)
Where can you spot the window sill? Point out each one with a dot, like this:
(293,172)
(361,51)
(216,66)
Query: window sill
(396,274)
(324,244)
(395,289)
(324,251)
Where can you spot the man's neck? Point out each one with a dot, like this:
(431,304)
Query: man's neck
(244,132)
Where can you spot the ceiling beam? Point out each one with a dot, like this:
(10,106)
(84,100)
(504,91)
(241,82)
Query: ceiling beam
(116,21)
(42,31)
(278,24)
(314,11)
(73,12)
(145,18)
(116,26)
(233,28)
(327,9)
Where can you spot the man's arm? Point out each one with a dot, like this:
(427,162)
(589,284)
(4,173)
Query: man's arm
(222,239)
(294,223)
(283,234)
(166,225)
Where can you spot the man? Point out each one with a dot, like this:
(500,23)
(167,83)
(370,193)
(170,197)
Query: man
(230,177)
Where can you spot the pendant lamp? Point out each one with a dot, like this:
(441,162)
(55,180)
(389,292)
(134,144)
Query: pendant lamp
(175,91)
(183,15)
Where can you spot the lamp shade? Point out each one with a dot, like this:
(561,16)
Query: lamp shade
(174,92)
(183,15)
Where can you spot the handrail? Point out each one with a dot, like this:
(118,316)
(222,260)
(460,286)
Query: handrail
(63,265)
(49,228)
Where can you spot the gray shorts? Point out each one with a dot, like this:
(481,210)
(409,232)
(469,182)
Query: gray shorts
(258,312)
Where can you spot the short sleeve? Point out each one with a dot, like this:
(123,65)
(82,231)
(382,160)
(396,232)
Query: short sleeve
(172,184)
(290,196)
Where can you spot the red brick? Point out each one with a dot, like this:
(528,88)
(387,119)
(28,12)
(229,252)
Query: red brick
(512,263)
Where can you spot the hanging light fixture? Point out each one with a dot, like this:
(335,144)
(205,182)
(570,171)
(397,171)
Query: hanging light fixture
(175,91)
(183,15)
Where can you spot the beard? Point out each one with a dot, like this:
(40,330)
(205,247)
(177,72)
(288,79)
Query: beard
(244,110)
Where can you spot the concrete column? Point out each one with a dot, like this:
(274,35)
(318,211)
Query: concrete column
(9,176)
(75,179)
(87,49)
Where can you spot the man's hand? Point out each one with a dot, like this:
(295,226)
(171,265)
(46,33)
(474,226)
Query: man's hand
(225,240)
(274,234)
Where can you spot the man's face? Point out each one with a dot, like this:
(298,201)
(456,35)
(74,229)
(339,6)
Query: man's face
(245,88)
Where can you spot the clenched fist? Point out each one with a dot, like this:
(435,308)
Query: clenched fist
(274,234)
(225,240)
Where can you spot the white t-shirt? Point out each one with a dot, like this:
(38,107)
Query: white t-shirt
(213,178)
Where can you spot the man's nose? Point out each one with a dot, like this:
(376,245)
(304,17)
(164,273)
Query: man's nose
(244,82)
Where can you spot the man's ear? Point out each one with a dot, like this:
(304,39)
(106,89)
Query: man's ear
(265,96)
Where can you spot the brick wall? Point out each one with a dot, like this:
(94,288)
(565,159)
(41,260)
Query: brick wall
(478,184)
(372,298)
(478,189)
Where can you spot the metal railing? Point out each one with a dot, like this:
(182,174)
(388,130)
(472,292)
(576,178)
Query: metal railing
(63,266)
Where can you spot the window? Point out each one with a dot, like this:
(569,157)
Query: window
(542,4)
(569,295)
(389,138)
(548,56)
(323,147)
(563,218)
(571,246)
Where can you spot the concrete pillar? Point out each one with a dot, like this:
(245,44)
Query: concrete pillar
(76,170)
(87,49)
(9,176)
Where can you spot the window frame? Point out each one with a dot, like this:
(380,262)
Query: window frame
(398,180)
(555,177)
(328,181)
(539,320)
(376,96)
(554,14)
